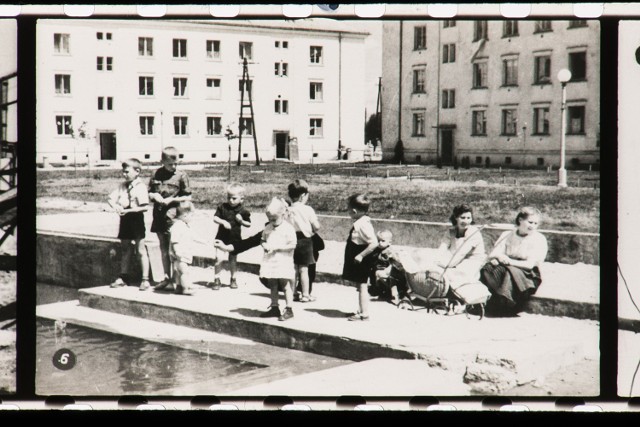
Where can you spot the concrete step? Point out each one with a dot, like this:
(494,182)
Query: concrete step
(454,343)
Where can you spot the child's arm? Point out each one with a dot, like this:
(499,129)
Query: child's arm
(222,222)
(242,221)
(372,246)
(113,202)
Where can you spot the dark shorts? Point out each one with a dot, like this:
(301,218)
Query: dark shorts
(229,237)
(303,254)
(352,271)
(132,226)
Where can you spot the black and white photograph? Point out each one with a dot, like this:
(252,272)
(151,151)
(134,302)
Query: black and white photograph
(628,272)
(8,204)
(318,207)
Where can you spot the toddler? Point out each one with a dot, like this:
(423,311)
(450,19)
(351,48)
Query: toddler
(182,242)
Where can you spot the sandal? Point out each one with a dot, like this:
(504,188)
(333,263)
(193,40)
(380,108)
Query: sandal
(307,299)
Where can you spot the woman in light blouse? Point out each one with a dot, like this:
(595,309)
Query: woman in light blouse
(512,272)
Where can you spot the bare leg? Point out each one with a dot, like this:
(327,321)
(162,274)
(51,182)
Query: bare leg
(363,297)
(141,253)
(273,285)
(288,294)
(232,265)
(302,271)
(185,279)
(165,242)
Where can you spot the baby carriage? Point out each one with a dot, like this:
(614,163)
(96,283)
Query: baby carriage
(441,295)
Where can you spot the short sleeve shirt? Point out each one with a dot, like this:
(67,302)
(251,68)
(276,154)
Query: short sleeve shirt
(279,264)
(228,213)
(301,217)
(130,195)
(167,184)
(181,234)
(532,247)
(363,232)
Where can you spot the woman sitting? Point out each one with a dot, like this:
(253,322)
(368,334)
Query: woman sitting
(512,272)
(461,252)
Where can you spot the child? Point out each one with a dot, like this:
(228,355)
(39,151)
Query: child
(382,258)
(305,222)
(181,240)
(167,188)
(230,216)
(360,243)
(130,200)
(277,267)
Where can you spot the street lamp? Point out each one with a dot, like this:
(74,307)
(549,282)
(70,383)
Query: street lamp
(564,76)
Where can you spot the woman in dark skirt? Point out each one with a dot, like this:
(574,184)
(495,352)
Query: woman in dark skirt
(512,273)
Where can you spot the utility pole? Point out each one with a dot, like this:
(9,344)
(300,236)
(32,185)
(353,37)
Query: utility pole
(246,85)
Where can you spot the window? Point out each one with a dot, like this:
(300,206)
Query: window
(145,86)
(479,122)
(281,106)
(99,36)
(577,23)
(543,26)
(213,88)
(108,36)
(146,125)
(61,43)
(540,161)
(480,75)
(63,84)
(449,53)
(578,65)
(180,86)
(576,120)
(419,75)
(507,160)
(101,103)
(510,72)
(478,160)
(449,23)
(145,46)
(179,48)
(541,121)
(284,44)
(449,98)
(480,31)
(542,69)
(63,124)
(213,49)
(100,63)
(281,69)
(214,125)
(246,84)
(246,125)
(180,125)
(418,124)
(315,91)
(510,28)
(315,127)
(244,50)
(420,37)
(509,122)
(315,54)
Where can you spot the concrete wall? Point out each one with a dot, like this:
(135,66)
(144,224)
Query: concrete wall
(566,248)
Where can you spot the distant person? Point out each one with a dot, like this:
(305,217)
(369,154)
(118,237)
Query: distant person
(361,242)
(182,241)
(230,216)
(130,200)
(167,188)
(513,271)
(277,267)
(305,222)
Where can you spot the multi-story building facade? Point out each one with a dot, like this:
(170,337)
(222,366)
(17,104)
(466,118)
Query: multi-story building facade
(487,92)
(114,89)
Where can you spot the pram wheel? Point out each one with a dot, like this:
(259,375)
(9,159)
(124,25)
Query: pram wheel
(405,304)
(455,307)
(476,309)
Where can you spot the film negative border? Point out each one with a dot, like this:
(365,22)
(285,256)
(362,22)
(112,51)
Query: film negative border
(557,11)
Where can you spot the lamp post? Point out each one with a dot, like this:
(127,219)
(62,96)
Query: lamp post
(524,144)
(564,76)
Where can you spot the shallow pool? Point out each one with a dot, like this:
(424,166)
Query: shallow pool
(108,364)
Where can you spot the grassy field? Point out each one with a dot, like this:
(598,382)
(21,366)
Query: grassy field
(402,192)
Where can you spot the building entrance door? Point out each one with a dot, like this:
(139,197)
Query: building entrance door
(446,137)
(282,144)
(107,146)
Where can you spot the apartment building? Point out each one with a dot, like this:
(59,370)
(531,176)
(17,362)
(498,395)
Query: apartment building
(113,89)
(486,92)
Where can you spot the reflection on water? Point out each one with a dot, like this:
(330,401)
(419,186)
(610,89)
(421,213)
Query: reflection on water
(109,364)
